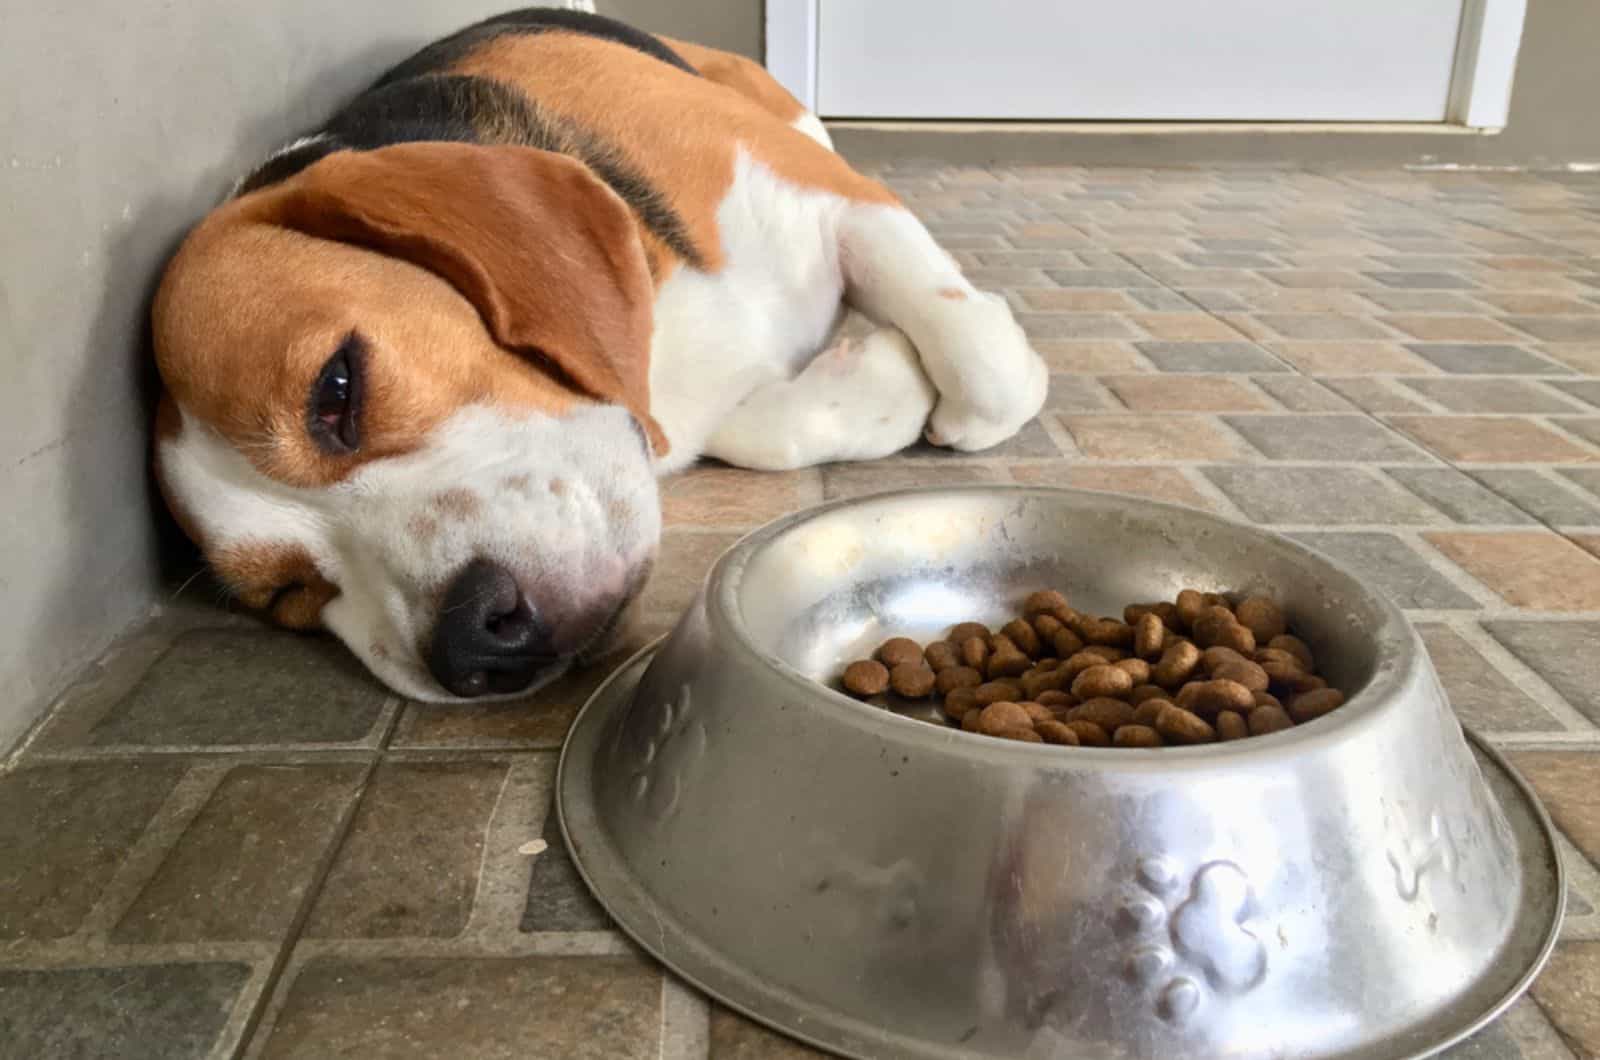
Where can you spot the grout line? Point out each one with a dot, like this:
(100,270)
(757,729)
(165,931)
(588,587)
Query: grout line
(1523,676)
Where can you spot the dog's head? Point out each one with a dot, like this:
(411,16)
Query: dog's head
(406,398)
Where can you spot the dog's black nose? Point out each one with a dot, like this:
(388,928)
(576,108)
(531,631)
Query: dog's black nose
(488,638)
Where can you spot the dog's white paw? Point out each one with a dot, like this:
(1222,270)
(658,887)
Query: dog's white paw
(991,381)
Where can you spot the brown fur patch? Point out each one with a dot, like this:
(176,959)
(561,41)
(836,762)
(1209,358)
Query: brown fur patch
(679,131)
(558,487)
(278,576)
(745,76)
(955,294)
(457,502)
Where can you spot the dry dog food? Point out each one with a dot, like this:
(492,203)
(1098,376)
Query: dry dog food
(1199,669)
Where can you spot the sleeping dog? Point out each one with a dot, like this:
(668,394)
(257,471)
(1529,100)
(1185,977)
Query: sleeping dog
(422,369)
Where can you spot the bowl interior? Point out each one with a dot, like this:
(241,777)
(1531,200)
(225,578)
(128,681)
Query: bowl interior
(817,591)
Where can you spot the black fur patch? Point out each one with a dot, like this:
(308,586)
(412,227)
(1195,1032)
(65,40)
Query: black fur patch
(455,107)
(445,53)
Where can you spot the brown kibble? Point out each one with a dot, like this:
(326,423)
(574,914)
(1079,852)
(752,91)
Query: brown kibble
(1038,713)
(997,717)
(1217,626)
(897,650)
(1007,660)
(1089,734)
(1083,660)
(1210,697)
(1267,699)
(1218,600)
(1134,612)
(1057,700)
(1168,613)
(1149,635)
(914,680)
(1178,663)
(941,655)
(1136,736)
(1109,714)
(1035,685)
(957,703)
(1102,681)
(1107,631)
(1268,719)
(1232,726)
(1147,712)
(1212,658)
(1066,643)
(1106,652)
(962,632)
(1023,635)
(1047,626)
(969,720)
(956,677)
(996,692)
(866,677)
(1141,693)
(1137,669)
(1189,605)
(1242,672)
(1296,647)
(1262,617)
(1308,706)
(1044,600)
(1057,733)
(1180,726)
(975,652)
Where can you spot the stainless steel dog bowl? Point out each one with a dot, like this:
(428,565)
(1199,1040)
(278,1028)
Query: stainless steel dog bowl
(1361,886)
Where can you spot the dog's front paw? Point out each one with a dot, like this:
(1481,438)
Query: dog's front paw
(991,381)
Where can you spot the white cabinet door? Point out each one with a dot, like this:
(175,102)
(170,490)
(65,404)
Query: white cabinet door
(1178,60)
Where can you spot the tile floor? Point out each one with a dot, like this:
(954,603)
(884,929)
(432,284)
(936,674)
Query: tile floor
(228,841)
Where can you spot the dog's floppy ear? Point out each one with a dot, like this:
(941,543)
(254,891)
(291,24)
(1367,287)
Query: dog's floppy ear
(546,252)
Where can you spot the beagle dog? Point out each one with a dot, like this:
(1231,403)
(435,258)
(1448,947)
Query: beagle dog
(421,371)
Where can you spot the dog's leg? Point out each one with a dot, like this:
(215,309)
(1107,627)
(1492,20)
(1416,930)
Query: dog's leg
(860,399)
(990,380)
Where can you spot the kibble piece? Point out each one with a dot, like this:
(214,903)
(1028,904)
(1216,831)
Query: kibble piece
(1309,706)
(1296,647)
(1149,635)
(1261,616)
(1056,732)
(1147,712)
(1141,693)
(1269,719)
(1044,600)
(961,632)
(1210,697)
(1107,631)
(1178,725)
(1066,643)
(955,677)
(1267,699)
(998,717)
(1178,663)
(1057,700)
(1136,736)
(1218,600)
(1109,714)
(1106,652)
(1007,660)
(914,680)
(1217,626)
(1190,604)
(1214,657)
(957,703)
(1023,635)
(866,677)
(969,720)
(1137,669)
(897,650)
(1102,681)
(1047,626)
(1168,613)
(941,655)
(1232,726)
(1083,660)
(975,652)
(1038,713)
(1134,612)
(1034,685)
(1089,734)
(995,692)
(1242,672)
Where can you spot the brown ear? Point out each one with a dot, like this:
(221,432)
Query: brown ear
(547,253)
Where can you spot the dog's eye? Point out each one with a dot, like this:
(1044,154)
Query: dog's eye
(336,399)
